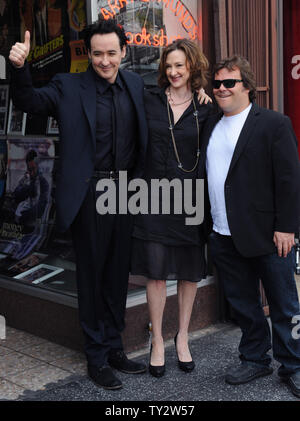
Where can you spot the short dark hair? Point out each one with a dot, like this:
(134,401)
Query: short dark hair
(105,27)
(197,61)
(247,74)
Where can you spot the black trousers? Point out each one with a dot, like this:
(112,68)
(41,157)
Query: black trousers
(240,278)
(102,245)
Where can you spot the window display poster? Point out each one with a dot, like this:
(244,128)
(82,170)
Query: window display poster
(47,22)
(292,63)
(53,24)
(27,199)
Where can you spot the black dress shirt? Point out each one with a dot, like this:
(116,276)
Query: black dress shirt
(116,125)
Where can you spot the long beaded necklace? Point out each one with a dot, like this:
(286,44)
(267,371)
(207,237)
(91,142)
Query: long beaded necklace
(171,100)
(171,127)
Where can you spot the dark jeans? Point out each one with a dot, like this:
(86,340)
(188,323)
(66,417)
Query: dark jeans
(102,245)
(240,279)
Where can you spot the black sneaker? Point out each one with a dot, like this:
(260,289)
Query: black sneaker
(246,372)
(104,377)
(293,381)
(118,360)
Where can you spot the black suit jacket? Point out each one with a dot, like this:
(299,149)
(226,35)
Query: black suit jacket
(262,188)
(71,99)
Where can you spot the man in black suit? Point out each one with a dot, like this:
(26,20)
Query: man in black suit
(253,175)
(103,130)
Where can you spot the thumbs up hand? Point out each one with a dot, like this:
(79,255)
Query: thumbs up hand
(19,51)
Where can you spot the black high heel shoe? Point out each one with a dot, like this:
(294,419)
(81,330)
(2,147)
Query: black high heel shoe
(156,370)
(184,366)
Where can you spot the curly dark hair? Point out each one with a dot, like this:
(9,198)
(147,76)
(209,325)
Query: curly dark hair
(243,65)
(198,63)
(103,26)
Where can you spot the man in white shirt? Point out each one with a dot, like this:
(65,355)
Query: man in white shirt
(253,176)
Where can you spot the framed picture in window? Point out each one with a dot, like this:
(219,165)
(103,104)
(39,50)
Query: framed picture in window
(3,117)
(16,121)
(52,126)
(39,273)
(4,91)
(3,96)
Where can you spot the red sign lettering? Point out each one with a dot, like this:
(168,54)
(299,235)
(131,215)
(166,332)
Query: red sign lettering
(181,12)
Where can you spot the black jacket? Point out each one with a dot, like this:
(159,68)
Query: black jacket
(71,99)
(262,188)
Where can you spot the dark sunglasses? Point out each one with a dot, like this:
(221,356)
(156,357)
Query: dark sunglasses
(228,83)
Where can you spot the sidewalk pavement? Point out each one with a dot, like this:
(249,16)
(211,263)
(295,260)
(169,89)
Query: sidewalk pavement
(32,369)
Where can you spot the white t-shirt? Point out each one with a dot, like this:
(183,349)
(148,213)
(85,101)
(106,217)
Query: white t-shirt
(220,149)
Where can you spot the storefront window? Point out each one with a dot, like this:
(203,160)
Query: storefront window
(32,252)
(150,25)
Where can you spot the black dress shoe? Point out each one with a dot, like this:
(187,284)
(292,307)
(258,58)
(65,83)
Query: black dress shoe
(186,366)
(156,370)
(246,372)
(117,359)
(104,377)
(293,381)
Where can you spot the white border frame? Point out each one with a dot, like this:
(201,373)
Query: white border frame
(55,271)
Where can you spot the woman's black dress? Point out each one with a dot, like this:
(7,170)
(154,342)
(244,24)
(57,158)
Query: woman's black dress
(164,247)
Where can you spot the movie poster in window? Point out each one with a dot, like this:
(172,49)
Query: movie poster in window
(47,21)
(54,25)
(77,24)
(56,31)
(28,196)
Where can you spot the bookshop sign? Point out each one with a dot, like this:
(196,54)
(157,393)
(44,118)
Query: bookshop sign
(160,22)
(177,8)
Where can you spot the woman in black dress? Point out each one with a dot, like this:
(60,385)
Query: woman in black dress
(164,247)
